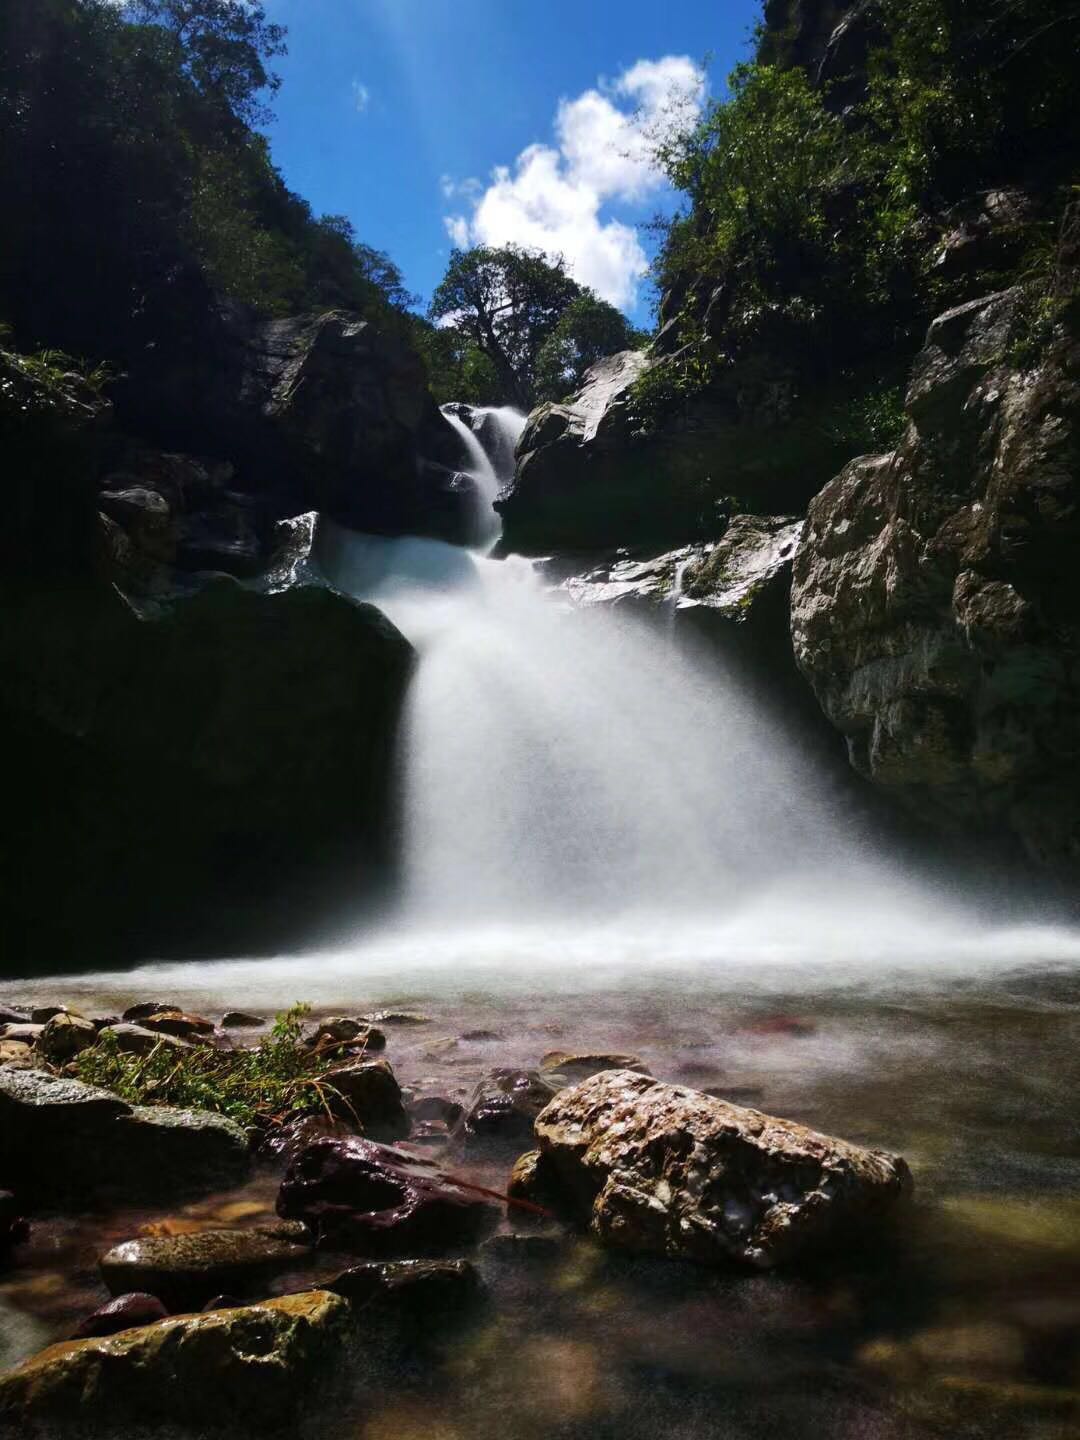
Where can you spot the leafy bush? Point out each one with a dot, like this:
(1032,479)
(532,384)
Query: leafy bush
(869,424)
(260,1086)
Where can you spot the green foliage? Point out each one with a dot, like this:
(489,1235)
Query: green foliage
(535,327)
(222,46)
(870,423)
(1051,277)
(588,329)
(135,189)
(811,215)
(257,1086)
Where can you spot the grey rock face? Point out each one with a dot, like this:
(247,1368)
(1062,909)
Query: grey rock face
(660,1168)
(63,1137)
(934,604)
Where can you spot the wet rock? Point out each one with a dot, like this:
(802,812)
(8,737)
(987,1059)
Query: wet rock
(137,1040)
(222,1302)
(109,1148)
(232,1371)
(372,1200)
(399,1017)
(42,1014)
(10,1015)
(476,1036)
(581,1066)
(163,707)
(25,1033)
(436,1109)
(64,1036)
(514,1249)
(369,1094)
(14,1229)
(660,1168)
(175,1022)
(415,1290)
(184,1271)
(149,1007)
(503,1107)
(288,1140)
(240,1020)
(358,1035)
(534,1180)
(18,1054)
(126,1312)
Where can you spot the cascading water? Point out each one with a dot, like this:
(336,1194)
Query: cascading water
(575,781)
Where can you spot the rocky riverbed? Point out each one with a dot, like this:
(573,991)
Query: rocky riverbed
(384,1286)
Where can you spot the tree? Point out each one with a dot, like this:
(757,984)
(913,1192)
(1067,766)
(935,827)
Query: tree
(588,329)
(509,304)
(225,45)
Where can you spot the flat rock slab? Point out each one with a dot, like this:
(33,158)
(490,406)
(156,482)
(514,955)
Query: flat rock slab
(184,1271)
(228,1371)
(660,1168)
(63,1138)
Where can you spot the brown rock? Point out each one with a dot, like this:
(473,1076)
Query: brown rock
(184,1271)
(369,1094)
(126,1312)
(581,1066)
(230,1371)
(173,1022)
(661,1168)
(373,1200)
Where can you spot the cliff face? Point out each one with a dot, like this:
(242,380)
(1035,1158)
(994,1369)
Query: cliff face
(196,729)
(935,610)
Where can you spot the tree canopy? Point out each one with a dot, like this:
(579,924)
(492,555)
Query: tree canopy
(534,325)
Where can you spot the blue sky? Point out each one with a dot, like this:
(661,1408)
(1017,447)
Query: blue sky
(397,113)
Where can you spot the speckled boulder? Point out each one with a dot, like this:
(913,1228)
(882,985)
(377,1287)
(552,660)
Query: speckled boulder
(660,1168)
(184,1271)
(230,1371)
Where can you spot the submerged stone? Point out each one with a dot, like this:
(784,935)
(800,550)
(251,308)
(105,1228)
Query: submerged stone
(661,1168)
(413,1290)
(184,1271)
(126,1312)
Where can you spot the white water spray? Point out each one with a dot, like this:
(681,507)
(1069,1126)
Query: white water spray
(574,773)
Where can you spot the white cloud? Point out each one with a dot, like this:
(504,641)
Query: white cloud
(553,196)
(361,96)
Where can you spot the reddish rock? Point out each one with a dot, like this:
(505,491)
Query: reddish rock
(373,1200)
(124,1313)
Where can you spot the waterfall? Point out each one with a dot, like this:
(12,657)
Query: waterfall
(488,471)
(565,771)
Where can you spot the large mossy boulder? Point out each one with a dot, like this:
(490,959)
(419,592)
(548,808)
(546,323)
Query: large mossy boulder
(243,1371)
(202,772)
(935,608)
(63,1140)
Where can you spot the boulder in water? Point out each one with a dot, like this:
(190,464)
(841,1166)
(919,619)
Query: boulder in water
(126,1312)
(369,1199)
(417,1291)
(184,1271)
(232,1371)
(503,1107)
(663,1169)
(368,1093)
